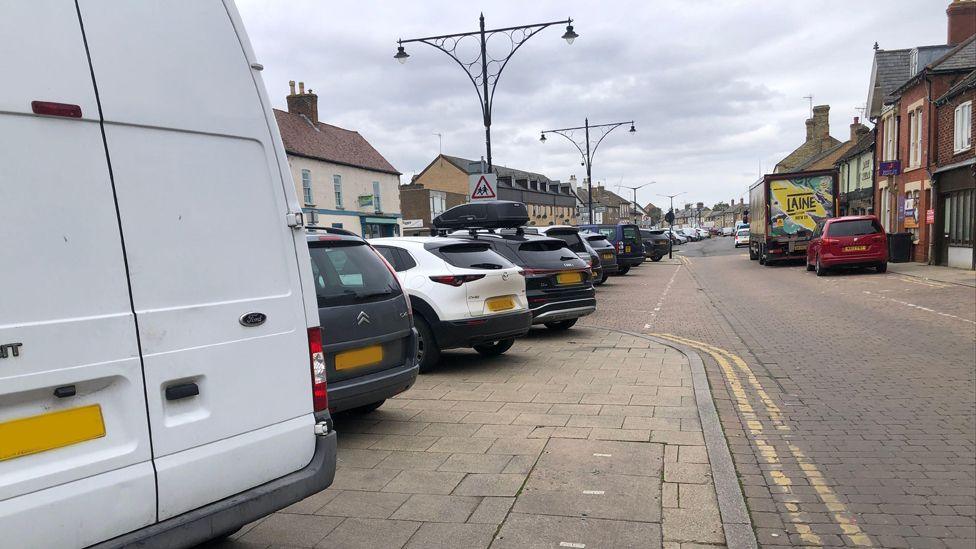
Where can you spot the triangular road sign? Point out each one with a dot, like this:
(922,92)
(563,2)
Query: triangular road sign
(483,189)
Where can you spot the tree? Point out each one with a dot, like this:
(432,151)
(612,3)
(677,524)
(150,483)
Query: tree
(721,206)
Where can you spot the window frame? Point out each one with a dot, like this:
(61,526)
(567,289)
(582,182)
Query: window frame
(962,120)
(337,191)
(307,195)
(376,197)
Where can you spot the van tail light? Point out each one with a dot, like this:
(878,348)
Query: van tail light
(50,108)
(620,246)
(456,280)
(320,394)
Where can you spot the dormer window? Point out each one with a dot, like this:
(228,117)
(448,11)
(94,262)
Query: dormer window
(913,62)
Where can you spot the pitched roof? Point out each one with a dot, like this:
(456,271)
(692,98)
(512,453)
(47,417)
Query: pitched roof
(863,144)
(967,83)
(463,164)
(329,143)
(961,57)
(607,197)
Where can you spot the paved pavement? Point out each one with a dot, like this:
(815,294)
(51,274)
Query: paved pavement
(935,273)
(586,438)
(847,400)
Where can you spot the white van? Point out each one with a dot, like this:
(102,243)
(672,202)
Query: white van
(159,347)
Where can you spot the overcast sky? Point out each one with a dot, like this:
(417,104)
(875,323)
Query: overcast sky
(715,87)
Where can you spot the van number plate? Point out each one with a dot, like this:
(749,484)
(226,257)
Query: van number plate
(357,358)
(35,434)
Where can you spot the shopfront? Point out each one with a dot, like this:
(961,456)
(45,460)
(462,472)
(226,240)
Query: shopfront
(956,217)
(379,226)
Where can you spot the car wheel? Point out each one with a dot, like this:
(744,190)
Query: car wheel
(762,256)
(623,270)
(495,348)
(752,254)
(882,267)
(809,266)
(821,270)
(371,407)
(657,258)
(428,353)
(604,278)
(561,325)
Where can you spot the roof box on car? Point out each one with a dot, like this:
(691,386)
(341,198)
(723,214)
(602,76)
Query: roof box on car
(485,214)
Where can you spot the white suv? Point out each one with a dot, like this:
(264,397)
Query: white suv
(463,294)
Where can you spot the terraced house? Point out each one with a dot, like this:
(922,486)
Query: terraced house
(342,181)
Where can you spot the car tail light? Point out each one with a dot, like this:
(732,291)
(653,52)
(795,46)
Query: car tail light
(56,109)
(456,280)
(320,394)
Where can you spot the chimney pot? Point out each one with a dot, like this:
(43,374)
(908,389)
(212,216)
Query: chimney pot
(291,87)
(301,88)
(961,21)
(303,103)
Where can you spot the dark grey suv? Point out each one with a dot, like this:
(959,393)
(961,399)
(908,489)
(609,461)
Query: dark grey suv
(368,336)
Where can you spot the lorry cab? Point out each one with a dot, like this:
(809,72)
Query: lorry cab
(164,367)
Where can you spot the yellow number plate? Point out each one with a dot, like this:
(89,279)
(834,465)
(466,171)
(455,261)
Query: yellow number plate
(357,358)
(855,248)
(569,278)
(607,256)
(627,249)
(35,434)
(503,303)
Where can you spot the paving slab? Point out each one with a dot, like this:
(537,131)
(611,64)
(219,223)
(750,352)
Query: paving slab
(591,494)
(537,531)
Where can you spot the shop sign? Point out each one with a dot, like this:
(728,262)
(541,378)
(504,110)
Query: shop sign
(889,167)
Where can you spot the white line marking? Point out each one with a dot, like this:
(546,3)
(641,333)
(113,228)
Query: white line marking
(594,492)
(571,544)
(602,455)
(926,309)
(664,293)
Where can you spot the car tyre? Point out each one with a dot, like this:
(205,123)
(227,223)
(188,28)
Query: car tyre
(809,266)
(882,267)
(752,254)
(604,277)
(368,408)
(428,353)
(623,270)
(495,348)
(561,325)
(821,270)
(762,255)
(657,258)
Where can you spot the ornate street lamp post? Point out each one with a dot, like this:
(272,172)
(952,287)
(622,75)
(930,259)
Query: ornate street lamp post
(485,70)
(590,148)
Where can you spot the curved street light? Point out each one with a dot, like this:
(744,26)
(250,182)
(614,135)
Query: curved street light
(485,70)
(590,149)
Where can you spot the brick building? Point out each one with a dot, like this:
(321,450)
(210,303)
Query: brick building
(906,152)
(817,142)
(954,177)
(444,184)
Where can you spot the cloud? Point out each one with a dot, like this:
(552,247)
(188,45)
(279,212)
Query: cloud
(715,87)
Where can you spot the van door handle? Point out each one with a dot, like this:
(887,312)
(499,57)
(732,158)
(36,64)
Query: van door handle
(183,390)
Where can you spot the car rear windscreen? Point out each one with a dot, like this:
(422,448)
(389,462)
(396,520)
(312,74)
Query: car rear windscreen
(349,273)
(571,238)
(631,232)
(854,227)
(547,254)
(599,241)
(472,256)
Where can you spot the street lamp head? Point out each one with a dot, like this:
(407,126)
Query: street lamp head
(632,128)
(570,35)
(543,138)
(401,55)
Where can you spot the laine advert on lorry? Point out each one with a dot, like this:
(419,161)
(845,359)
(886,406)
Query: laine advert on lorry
(787,209)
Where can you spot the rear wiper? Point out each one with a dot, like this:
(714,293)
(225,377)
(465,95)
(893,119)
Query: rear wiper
(486,266)
(375,294)
(564,258)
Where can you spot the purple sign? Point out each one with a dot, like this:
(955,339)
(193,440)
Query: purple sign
(889,167)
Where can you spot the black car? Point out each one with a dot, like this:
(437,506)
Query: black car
(608,254)
(575,242)
(558,284)
(368,335)
(656,243)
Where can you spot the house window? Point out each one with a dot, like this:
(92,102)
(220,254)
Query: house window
(438,202)
(962,128)
(337,187)
(915,137)
(376,197)
(307,187)
(890,132)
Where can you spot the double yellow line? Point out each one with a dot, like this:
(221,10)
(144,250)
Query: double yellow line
(730,363)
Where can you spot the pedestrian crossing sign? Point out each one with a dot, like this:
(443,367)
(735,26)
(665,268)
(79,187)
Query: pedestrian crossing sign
(481,186)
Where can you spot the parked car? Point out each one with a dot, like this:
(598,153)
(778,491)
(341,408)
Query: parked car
(703,233)
(656,243)
(848,242)
(608,254)
(691,234)
(369,340)
(463,294)
(570,235)
(677,237)
(163,381)
(626,239)
(728,231)
(558,284)
(742,237)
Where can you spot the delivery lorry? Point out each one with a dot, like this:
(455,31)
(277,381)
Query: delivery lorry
(786,209)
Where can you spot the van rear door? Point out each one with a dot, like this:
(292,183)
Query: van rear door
(75,459)
(204,211)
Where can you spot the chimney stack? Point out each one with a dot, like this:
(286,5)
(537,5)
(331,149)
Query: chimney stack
(961,16)
(821,122)
(303,103)
(742,201)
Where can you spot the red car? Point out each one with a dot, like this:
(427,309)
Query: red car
(852,241)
